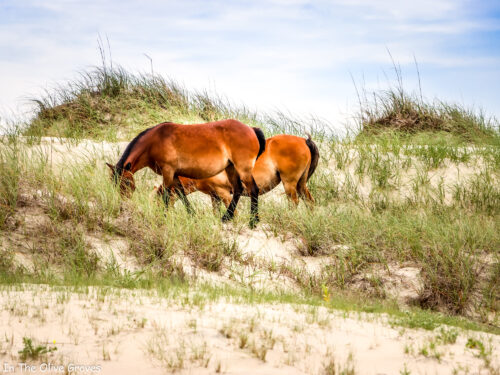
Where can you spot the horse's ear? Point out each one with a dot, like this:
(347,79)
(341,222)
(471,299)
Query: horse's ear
(111,166)
(128,167)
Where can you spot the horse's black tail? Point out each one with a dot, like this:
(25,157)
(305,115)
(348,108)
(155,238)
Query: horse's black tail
(262,140)
(314,155)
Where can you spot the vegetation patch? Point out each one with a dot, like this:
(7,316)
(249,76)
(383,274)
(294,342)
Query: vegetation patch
(34,352)
(395,112)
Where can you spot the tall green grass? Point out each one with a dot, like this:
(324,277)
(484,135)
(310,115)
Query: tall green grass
(108,101)
(79,199)
(446,232)
(9,183)
(447,240)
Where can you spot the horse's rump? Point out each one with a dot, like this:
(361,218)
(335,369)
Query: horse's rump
(285,157)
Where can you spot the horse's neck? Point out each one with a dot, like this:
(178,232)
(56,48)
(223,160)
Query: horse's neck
(138,159)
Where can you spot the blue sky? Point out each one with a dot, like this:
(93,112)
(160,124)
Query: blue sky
(292,55)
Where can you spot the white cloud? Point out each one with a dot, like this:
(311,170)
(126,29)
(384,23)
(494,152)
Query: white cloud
(268,54)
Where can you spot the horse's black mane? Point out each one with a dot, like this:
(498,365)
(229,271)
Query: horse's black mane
(128,150)
(119,166)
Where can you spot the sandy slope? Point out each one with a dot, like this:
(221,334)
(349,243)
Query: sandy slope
(130,332)
(402,283)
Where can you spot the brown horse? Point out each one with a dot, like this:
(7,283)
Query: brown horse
(286,158)
(195,151)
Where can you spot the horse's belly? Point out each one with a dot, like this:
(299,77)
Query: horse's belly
(201,158)
(202,168)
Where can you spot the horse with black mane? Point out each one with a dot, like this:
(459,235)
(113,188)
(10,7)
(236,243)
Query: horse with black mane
(195,151)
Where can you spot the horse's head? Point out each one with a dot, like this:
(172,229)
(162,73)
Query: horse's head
(124,178)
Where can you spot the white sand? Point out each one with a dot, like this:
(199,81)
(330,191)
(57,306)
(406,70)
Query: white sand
(131,332)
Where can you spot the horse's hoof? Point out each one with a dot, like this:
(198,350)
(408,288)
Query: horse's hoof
(226,218)
(254,222)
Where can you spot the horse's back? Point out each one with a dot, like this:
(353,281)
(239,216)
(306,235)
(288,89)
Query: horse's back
(239,137)
(211,133)
(203,150)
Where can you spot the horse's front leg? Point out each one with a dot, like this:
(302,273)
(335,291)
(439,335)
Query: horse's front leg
(166,195)
(165,190)
(215,202)
(181,193)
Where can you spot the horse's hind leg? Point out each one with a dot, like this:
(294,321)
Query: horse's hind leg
(253,192)
(234,178)
(181,193)
(220,195)
(291,190)
(225,196)
(308,196)
(169,182)
(304,192)
(291,180)
(254,202)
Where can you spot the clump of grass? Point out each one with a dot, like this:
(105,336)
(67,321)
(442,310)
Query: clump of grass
(160,234)
(65,246)
(434,155)
(90,104)
(405,114)
(179,355)
(482,193)
(382,168)
(451,278)
(324,187)
(331,367)
(280,122)
(74,252)
(447,335)
(429,349)
(315,233)
(396,110)
(150,239)
(484,352)
(31,351)
(205,245)
(108,100)
(6,261)
(491,291)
